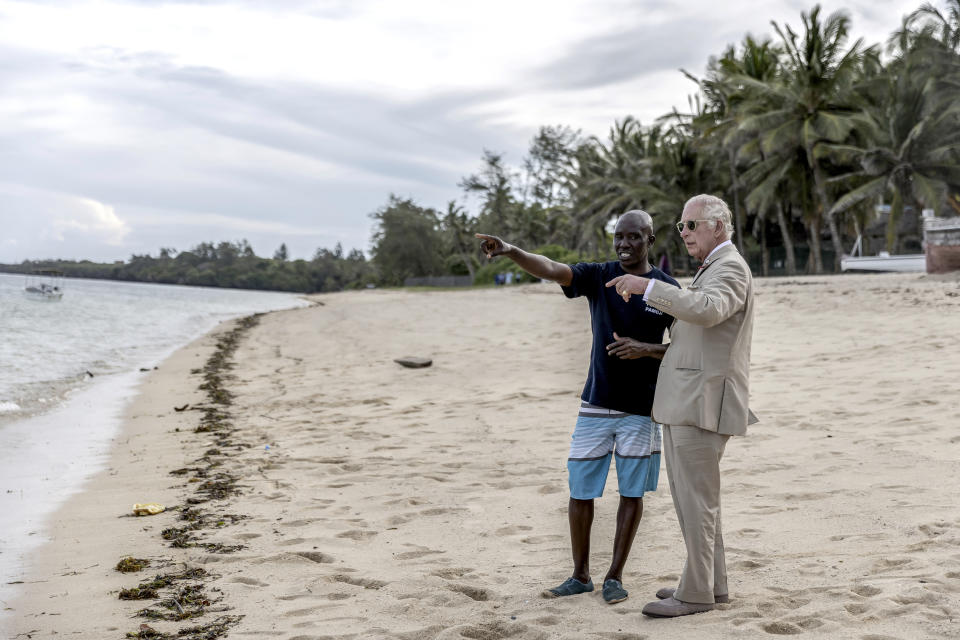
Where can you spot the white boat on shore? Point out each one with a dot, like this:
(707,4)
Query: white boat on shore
(44,286)
(883,261)
(912,263)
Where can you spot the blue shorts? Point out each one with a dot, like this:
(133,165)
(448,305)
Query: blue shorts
(634,441)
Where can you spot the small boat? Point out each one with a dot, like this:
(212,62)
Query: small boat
(883,261)
(46,285)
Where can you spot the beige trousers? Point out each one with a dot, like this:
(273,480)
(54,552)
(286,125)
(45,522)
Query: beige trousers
(693,470)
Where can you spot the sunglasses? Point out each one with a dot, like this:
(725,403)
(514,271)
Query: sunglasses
(689,224)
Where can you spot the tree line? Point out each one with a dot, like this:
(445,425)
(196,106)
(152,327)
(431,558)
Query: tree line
(227,264)
(804,134)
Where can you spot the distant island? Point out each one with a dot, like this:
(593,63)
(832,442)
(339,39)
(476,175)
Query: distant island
(227,264)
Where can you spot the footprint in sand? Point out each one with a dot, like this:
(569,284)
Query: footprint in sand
(767,509)
(744,617)
(357,534)
(811,569)
(411,555)
(474,593)
(809,623)
(439,511)
(857,536)
(486,631)
(247,536)
(866,591)
(253,582)
(298,523)
(299,613)
(770,608)
(547,489)
(782,629)
(315,556)
(291,541)
(885,564)
(542,539)
(451,573)
(330,461)
(413,502)
(919,595)
(507,531)
(366,583)
(935,528)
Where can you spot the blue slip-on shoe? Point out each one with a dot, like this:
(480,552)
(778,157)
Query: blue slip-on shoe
(613,591)
(571,587)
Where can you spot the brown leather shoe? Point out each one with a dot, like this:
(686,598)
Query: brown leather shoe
(667,592)
(671,608)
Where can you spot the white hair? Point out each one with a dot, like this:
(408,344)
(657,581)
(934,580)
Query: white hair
(713,208)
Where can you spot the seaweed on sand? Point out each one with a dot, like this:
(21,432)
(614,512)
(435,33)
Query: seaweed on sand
(209,631)
(138,593)
(149,589)
(131,564)
(188,601)
(191,600)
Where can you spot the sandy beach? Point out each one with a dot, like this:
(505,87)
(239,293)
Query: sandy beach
(374,501)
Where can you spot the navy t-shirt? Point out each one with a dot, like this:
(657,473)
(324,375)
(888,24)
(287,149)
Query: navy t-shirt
(623,385)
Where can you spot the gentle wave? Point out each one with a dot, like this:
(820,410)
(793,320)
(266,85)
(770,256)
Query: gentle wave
(9,407)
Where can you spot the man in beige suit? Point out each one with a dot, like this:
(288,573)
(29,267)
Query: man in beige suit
(702,393)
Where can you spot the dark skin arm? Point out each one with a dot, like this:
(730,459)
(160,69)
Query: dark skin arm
(547,269)
(630,349)
(536,265)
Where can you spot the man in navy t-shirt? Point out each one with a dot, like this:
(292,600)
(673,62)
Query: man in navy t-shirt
(614,419)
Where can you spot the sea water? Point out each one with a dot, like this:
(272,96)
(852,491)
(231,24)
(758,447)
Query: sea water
(102,327)
(67,370)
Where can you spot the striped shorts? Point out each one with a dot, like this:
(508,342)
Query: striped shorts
(633,441)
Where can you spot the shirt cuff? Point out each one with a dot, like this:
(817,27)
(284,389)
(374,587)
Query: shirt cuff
(648,290)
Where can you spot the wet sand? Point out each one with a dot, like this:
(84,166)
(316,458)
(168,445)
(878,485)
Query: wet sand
(375,501)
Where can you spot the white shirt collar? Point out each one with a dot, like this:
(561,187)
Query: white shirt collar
(717,248)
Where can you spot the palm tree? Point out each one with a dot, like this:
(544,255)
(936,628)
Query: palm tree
(946,28)
(727,102)
(458,228)
(609,179)
(814,104)
(655,169)
(914,134)
(731,102)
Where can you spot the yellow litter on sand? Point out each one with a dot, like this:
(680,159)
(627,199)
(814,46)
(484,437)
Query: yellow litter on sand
(148,509)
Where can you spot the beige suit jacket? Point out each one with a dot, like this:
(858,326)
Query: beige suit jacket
(704,378)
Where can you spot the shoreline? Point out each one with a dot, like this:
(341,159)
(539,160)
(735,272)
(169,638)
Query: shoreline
(431,503)
(140,452)
(70,444)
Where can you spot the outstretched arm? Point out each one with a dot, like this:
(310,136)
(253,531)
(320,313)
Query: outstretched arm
(721,296)
(536,265)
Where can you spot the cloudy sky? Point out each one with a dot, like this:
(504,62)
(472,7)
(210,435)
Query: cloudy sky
(130,126)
